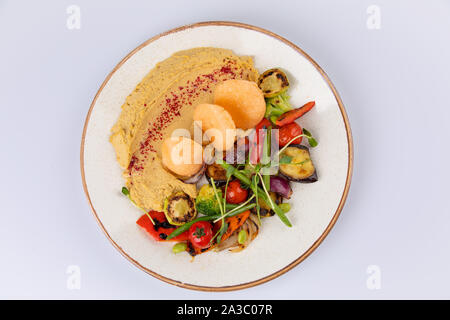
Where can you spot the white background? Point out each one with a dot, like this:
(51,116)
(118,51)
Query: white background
(394,82)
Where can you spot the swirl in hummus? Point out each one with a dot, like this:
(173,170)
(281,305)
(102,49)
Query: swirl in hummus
(162,102)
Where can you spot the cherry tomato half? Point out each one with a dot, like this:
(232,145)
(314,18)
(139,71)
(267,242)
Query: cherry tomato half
(287,132)
(235,192)
(200,234)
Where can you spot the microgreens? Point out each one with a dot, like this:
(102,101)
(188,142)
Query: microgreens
(266,156)
(219,200)
(235,209)
(229,171)
(255,193)
(226,189)
(312,142)
(217,196)
(267,193)
(223,229)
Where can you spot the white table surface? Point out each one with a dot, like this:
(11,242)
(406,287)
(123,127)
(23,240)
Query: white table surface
(394,82)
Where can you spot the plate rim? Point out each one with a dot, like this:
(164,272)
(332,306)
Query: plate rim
(321,237)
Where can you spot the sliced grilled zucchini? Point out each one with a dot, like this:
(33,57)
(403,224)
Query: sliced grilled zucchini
(300,167)
(179,208)
(273,82)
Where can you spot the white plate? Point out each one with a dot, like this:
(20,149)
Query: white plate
(277,248)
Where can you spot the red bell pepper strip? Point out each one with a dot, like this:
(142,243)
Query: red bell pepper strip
(257,143)
(293,115)
(161,229)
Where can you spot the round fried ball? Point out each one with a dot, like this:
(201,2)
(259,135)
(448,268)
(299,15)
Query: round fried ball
(182,156)
(217,124)
(243,100)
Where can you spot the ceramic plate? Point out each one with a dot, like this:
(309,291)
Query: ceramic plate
(277,249)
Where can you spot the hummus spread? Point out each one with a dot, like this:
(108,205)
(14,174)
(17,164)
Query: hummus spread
(162,102)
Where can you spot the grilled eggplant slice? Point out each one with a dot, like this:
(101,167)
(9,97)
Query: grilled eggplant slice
(264,208)
(179,208)
(273,82)
(300,168)
(216,172)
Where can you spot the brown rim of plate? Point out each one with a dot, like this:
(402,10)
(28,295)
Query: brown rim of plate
(315,244)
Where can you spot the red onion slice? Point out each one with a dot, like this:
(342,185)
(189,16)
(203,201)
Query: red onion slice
(281,186)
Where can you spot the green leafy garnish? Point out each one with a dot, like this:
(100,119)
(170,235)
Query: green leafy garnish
(277,105)
(236,209)
(225,193)
(199,232)
(243,186)
(222,210)
(189,224)
(265,161)
(255,182)
(285,160)
(218,197)
(312,142)
(248,172)
(274,207)
(125,191)
(229,171)
(288,160)
(222,231)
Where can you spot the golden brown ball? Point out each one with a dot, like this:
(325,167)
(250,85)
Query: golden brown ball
(217,124)
(243,100)
(182,156)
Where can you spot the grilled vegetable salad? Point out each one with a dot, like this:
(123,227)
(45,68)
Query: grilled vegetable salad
(229,208)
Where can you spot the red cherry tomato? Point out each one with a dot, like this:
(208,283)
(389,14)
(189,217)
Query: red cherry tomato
(235,192)
(200,234)
(287,132)
(264,123)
